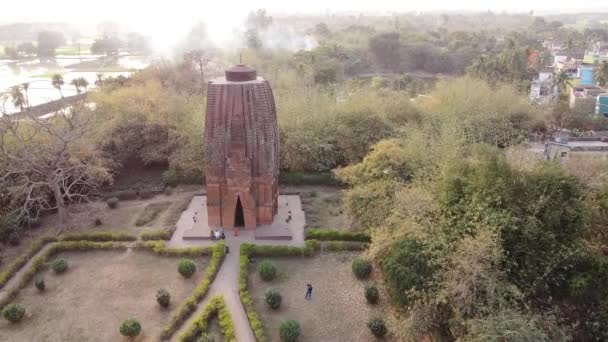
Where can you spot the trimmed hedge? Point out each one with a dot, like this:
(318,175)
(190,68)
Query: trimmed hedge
(335,235)
(39,261)
(190,304)
(186,267)
(13,313)
(159,247)
(307,178)
(157,234)
(130,328)
(361,268)
(12,268)
(256,325)
(216,306)
(289,330)
(98,237)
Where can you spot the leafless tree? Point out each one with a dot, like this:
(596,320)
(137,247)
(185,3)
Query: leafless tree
(201,59)
(47,163)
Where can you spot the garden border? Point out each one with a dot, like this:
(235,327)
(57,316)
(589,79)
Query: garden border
(215,306)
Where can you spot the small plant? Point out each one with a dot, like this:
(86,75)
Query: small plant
(40,284)
(98,222)
(14,239)
(130,328)
(59,266)
(273,298)
(267,270)
(112,202)
(377,326)
(361,268)
(206,337)
(289,331)
(186,267)
(371,294)
(13,313)
(163,298)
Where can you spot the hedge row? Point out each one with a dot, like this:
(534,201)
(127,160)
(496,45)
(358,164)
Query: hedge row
(99,237)
(157,234)
(304,178)
(38,262)
(335,235)
(160,247)
(190,304)
(12,268)
(216,306)
(339,246)
(279,250)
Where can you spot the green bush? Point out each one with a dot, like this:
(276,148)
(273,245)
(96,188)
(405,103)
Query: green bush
(98,221)
(59,266)
(158,234)
(112,202)
(14,239)
(40,284)
(273,298)
(186,267)
(206,337)
(336,235)
(289,331)
(267,270)
(99,236)
(13,312)
(361,268)
(371,294)
(163,298)
(377,326)
(130,328)
(303,178)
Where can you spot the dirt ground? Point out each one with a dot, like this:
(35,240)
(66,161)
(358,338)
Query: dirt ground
(99,291)
(121,219)
(323,206)
(338,310)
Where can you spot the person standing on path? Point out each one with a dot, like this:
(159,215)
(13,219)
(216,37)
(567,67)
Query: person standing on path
(308,291)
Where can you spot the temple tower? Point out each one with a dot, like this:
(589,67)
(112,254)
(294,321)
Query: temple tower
(241,150)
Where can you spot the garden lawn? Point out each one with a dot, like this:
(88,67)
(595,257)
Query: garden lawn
(99,290)
(338,310)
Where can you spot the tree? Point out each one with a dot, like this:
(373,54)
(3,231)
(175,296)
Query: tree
(80,84)
(48,41)
(17,97)
(57,82)
(201,59)
(47,163)
(26,87)
(386,49)
(561,80)
(600,73)
(258,20)
(252,38)
(27,48)
(108,45)
(99,80)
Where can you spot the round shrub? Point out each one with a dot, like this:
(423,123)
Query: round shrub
(186,267)
(362,268)
(59,266)
(377,326)
(273,298)
(289,331)
(40,284)
(13,313)
(267,270)
(163,298)
(371,294)
(14,239)
(112,202)
(206,337)
(98,221)
(130,328)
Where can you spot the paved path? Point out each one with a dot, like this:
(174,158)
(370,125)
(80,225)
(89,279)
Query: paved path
(226,280)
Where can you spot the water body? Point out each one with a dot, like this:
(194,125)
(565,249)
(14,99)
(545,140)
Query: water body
(38,75)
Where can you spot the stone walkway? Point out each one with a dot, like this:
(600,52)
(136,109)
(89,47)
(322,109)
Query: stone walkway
(226,281)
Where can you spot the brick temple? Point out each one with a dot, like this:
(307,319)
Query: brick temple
(241,150)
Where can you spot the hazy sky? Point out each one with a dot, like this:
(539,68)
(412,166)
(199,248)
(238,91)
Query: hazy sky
(165,19)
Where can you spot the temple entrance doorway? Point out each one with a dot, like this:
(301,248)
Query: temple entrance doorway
(239,217)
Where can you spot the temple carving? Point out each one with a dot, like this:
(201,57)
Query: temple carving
(241,150)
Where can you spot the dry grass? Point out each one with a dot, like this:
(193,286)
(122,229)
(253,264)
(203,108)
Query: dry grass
(100,290)
(338,310)
(151,212)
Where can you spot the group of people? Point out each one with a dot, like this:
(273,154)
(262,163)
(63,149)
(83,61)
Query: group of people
(217,235)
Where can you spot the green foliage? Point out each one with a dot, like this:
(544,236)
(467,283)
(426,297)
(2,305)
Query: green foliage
(335,235)
(98,221)
(361,268)
(39,283)
(163,297)
(273,298)
(371,294)
(407,268)
(59,266)
(13,267)
(206,337)
(200,324)
(511,327)
(113,202)
(130,328)
(377,327)
(13,313)
(158,234)
(186,267)
(98,236)
(159,247)
(307,178)
(267,270)
(289,330)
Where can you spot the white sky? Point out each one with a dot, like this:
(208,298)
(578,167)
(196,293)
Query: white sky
(166,19)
